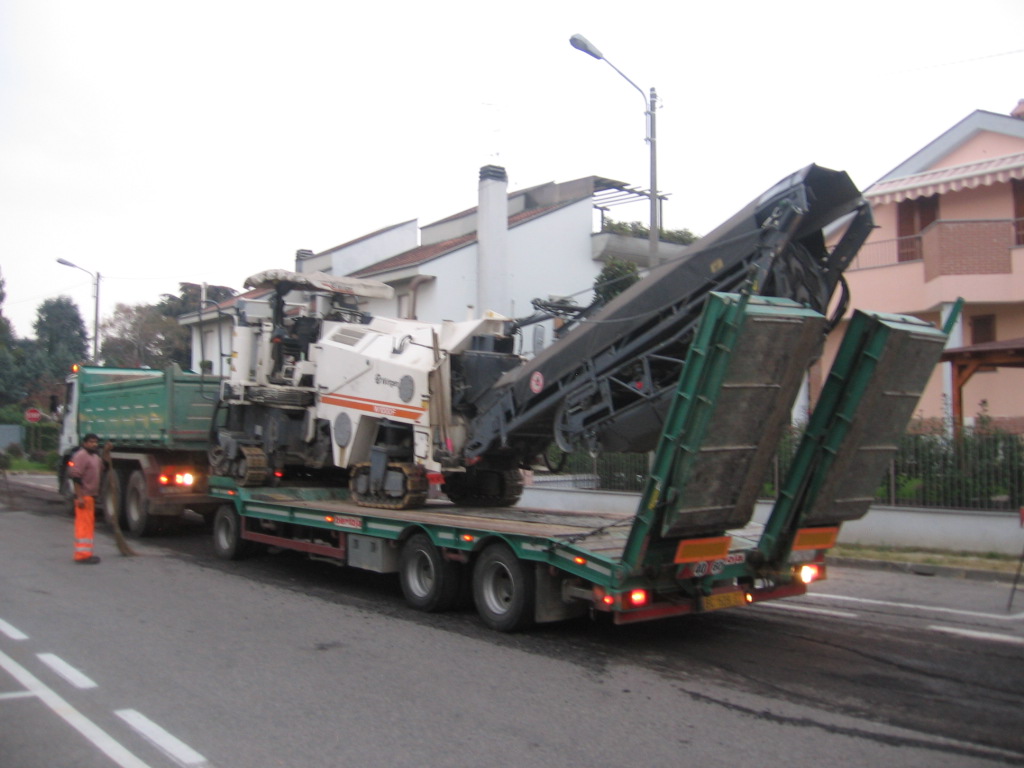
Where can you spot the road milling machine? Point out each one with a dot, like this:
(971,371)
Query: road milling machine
(390,406)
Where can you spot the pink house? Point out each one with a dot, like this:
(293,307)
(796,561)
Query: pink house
(950,223)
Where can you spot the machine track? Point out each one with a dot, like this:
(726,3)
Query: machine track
(414,482)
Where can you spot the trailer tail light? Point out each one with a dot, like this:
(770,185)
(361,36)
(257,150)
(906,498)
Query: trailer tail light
(637,598)
(809,572)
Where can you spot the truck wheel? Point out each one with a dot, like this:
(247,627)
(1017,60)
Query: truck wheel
(503,589)
(429,582)
(66,488)
(111,499)
(227,535)
(136,507)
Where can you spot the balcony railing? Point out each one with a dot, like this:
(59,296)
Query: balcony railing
(949,247)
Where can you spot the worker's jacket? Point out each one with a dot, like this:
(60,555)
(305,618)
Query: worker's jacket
(86,467)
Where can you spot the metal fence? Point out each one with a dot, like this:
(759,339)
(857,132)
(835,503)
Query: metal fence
(981,469)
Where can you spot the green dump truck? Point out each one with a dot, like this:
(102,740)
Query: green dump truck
(158,422)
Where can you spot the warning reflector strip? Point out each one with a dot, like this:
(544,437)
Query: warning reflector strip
(816,538)
(697,550)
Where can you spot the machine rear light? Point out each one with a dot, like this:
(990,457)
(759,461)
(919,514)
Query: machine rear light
(809,572)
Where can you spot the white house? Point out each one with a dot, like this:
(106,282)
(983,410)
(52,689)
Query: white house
(499,256)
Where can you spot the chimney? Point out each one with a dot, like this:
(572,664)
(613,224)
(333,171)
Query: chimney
(1018,111)
(492,267)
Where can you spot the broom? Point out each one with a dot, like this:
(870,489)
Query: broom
(112,501)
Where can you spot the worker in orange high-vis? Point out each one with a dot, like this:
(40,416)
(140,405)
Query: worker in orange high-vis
(85,471)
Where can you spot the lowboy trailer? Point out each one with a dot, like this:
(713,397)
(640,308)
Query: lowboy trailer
(691,546)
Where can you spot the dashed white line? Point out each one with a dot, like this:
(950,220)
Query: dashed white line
(65,670)
(100,738)
(17,695)
(12,632)
(976,635)
(174,747)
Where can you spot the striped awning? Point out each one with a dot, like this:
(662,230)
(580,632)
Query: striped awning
(981,173)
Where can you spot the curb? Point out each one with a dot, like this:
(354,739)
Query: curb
(922,569)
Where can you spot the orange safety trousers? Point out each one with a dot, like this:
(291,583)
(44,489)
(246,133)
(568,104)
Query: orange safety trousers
(85,523)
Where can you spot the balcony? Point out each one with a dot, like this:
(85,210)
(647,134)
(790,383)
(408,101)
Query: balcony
(949,248)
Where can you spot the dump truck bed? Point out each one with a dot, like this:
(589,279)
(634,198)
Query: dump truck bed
(138,408)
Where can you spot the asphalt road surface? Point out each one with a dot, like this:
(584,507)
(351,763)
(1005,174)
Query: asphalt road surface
(176,658)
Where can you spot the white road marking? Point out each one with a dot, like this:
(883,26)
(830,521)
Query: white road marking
(171,745)
(979,635)
(915,606)
(17,695)
(12,632)
(100,738)
(808,609)
(65,670)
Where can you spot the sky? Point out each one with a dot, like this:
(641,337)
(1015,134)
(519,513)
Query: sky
(158,142)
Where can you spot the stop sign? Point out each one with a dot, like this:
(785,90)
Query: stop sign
(32,415)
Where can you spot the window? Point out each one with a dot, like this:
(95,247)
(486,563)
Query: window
(912,218)
(983,329)
(1018,211)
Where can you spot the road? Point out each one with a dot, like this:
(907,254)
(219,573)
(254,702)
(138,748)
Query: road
(176,658)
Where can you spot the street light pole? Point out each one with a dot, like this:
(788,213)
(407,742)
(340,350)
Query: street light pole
(580,43)
(96,308)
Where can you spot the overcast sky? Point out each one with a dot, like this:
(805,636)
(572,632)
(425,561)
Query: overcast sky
(158,142)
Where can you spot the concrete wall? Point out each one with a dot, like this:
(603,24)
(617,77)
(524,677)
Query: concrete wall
(979,532)
(11,433)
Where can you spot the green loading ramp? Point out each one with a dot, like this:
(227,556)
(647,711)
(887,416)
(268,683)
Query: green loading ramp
(879,374)
(733,401)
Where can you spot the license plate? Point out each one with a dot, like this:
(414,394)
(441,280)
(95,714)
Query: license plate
(724,600)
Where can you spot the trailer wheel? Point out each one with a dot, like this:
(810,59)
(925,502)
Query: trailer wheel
(227,535)
(503,589)
(136,507)
(429,582)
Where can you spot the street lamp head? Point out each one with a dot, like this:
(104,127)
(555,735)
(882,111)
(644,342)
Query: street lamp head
(580,43)
(67,263)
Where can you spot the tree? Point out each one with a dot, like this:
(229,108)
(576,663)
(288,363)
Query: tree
(6,332)
(636,229)
(142,336)
(190,297)
(616,277)
(60,336)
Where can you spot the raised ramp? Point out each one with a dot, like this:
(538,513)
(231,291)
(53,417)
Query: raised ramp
(731,405)
(879,374)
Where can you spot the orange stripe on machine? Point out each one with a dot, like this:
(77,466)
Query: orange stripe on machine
(380,407)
